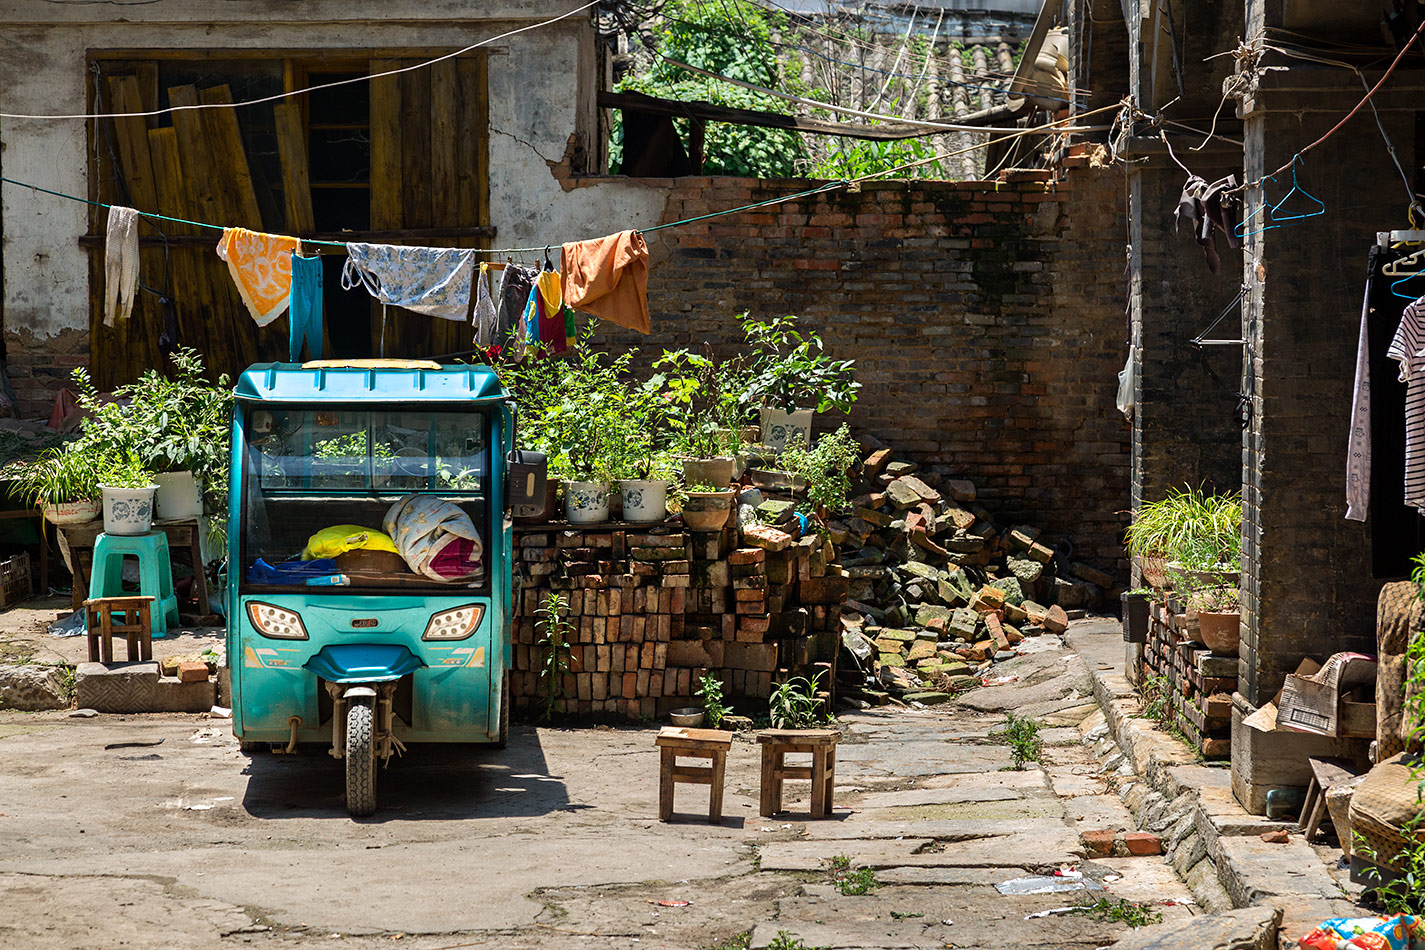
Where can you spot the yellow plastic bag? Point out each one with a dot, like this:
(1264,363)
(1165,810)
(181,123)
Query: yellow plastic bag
(338,539)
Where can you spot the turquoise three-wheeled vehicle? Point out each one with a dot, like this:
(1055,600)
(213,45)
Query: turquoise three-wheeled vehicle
(369,558)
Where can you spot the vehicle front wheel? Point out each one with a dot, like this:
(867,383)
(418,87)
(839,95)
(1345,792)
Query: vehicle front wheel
(360,760)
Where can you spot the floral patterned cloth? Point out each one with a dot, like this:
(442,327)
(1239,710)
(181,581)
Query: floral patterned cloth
(424,527)
(436,281)
(261,266)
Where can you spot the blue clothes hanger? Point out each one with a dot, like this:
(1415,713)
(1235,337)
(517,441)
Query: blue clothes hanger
(1410,297)
(1282,220)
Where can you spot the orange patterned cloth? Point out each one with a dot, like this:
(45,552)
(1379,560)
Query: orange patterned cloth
(261,266)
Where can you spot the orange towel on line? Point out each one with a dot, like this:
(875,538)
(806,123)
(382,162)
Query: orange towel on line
(261,266)
(608,277)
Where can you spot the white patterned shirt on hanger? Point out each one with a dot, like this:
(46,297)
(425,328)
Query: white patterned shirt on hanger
(1406,349)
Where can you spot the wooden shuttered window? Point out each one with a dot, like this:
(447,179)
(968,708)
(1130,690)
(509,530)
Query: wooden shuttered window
(400,160)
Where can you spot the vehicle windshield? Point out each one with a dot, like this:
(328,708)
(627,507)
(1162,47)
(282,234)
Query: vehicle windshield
(312,477)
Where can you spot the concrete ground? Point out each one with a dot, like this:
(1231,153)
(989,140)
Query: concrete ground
(155,831)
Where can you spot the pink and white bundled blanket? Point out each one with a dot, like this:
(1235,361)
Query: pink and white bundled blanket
(436,538)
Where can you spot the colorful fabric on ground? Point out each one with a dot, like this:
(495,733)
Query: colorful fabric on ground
(436,281)
(121,264)
(261,267)
(338,539)
(1362,933)
(436,538)
(305,312)
(608,277)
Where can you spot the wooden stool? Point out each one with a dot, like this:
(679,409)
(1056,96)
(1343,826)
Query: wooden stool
(675,741)
(777,744)
(1326,773)
(106,616)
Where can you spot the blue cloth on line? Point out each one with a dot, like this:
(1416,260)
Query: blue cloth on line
(305,309)
(290,572)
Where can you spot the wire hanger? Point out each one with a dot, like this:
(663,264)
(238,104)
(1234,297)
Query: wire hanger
(1282,220)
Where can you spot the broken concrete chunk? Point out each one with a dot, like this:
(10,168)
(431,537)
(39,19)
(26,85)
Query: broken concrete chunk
(960,489)
(1025,569)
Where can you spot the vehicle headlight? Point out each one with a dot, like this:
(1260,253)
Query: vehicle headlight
(276,622)
(456,624)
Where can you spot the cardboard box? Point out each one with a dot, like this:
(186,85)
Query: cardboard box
(1313,703)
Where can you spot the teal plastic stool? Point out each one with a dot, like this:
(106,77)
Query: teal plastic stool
(155,573)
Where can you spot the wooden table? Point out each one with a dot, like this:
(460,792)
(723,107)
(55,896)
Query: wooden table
(183,534)
(675,742)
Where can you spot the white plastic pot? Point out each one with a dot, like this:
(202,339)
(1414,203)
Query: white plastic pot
(586,502)
(783,429)
(644,502)
(128,511)
(72,512)
(177,497)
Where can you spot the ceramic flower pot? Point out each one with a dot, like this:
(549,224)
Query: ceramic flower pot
(1154,570)
(769,479)
(714,471)
(781,430)
(707,510)
(644,502)
(1135,617)
(586,502)
(1221,632)
(177,496)
(128,511)
(72,512)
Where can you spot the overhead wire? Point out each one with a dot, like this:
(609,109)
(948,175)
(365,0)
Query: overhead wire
(320,86)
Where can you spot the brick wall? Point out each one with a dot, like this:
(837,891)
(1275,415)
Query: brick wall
(40,369)
(986,319)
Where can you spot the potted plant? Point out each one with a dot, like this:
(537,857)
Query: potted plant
(642,465)
(704,416)
(790,378)
(707,507)
(63,484)
(128,490)
(1188,527)
(177,428)
(1219,617)
(1135,614)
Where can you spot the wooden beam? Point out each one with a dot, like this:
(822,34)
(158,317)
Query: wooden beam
(296,178)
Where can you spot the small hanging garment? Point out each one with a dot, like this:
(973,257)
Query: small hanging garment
(436,281)
(261,266)
(486,317)
(551,316)
(1358,443)
(1406,350)
(121,264)
(1209,208)
(305,313)
(510,307)
(530,319)
(608,277)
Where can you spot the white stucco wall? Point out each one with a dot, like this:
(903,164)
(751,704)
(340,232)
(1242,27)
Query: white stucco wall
(534,108)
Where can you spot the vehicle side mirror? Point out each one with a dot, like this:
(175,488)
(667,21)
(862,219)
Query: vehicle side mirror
(526,483)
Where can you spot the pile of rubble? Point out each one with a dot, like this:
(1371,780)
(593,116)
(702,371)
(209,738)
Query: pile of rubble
(937,591)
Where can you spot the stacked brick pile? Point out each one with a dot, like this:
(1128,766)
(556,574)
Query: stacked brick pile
(937,588)
(655,609)
(1195,684)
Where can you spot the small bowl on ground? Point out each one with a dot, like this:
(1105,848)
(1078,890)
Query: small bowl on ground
(689,716)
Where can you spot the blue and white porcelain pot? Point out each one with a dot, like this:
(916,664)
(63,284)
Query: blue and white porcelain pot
(784,430)
(128,511)
(644,502)
(586,502)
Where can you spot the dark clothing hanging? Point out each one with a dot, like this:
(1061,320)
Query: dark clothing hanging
(1397,529)
(514,294)
(1209,208)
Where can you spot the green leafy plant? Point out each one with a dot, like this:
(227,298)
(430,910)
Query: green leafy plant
(1154,691)
(790,370)
(738,941)
(1192,528)
(1402,892)
(795,705)
(826,468)
(57,477)
(852,882)
(554,661)
(1022,737)
(704,407)
(350,446)
(1132,913)
(710,691)
(126,472)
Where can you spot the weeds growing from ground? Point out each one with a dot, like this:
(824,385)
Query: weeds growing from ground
(1022,737)
(1116,908)
(736,942)
(785,941)
(554,660)
(852,883)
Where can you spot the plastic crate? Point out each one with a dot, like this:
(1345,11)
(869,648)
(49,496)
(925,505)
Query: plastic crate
(15,580)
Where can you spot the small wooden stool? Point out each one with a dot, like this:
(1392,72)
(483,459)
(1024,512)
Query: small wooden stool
(777,744)
(106,616)
(1326,774)
(675,741)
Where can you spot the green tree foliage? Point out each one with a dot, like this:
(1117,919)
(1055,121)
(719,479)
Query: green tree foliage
(730,38)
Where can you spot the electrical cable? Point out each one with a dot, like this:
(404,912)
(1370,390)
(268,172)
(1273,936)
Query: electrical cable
(297,92)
